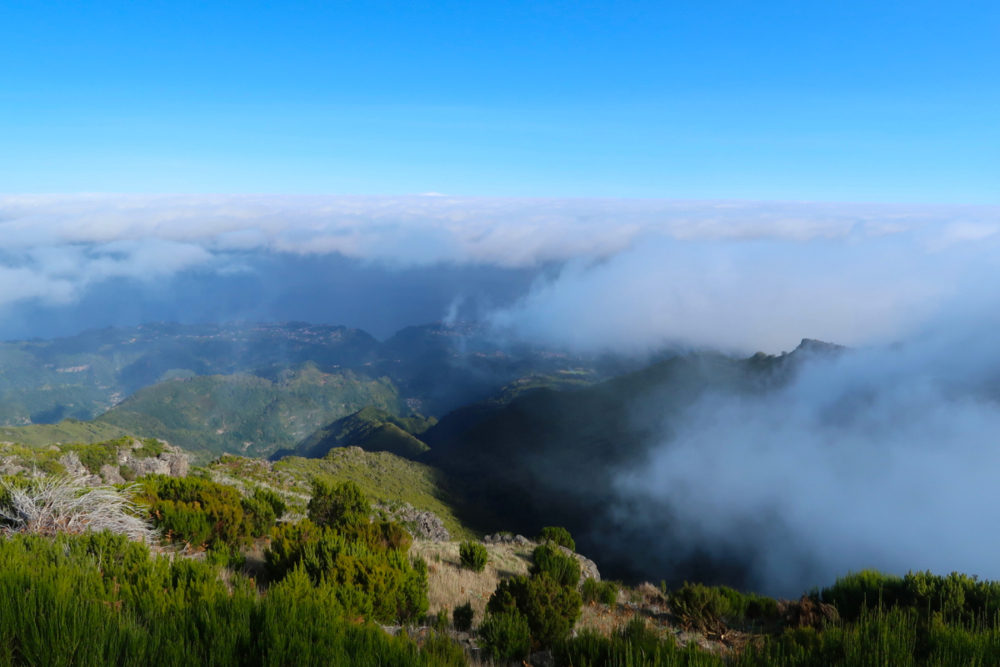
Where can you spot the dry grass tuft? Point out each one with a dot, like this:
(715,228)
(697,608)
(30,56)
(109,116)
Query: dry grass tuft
(450,584)
(53,505)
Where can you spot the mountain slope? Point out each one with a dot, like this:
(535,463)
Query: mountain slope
(436,367)
(373,430)
(246,414)
(44,381)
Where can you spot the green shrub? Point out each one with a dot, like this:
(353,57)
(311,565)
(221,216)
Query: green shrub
(605,592)
(557,535)
(473,555)
(440,651)
(99,599)
(196,510)
(851,593)
(562,568)
(263,508)
(699,605)
(706,606)
(338,505)
(957,597)
(550,609)
(634,645)
(505,636)
(462,617)
(369,579)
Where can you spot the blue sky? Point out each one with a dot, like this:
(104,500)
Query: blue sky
(832,101)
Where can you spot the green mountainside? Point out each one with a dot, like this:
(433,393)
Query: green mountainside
(246,414)
(70,430)
(373,430)
(436,368)
(387,479)
(45,381)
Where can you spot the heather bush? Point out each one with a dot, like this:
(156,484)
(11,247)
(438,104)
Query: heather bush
(706,606)
(462,617)
(634,645)
(338,505)
(197,511)
(100,599)
(505,636)
(550,608)
(557,535)
(473,556)
(563,568)
(371,580)
(605,592)
(263,508)
(957,597)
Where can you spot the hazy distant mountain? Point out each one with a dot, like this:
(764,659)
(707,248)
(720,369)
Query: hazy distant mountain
(84,375)
(436,367)
(370,428)
(247,414)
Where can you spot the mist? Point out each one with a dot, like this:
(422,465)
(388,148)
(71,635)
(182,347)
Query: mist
(883,457)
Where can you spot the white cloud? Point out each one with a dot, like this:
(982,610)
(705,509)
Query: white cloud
(636,273)
(876,458)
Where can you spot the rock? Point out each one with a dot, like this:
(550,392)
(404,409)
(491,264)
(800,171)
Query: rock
(171,462)
(588,568)
(75,468)
(10,465)
(111,475)
(422,524)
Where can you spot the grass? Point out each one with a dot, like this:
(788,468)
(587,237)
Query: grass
(383,477)
(450,584)
(68,431)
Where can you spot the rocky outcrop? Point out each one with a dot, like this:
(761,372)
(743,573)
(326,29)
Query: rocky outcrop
(75,468)
(507,538)
(588,568)
(171,462)
(112,474)
(422,524)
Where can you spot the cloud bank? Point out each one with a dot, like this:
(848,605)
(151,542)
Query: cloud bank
(620,275)
(882,457)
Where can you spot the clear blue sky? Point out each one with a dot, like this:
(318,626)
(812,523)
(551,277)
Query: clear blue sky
(859,101)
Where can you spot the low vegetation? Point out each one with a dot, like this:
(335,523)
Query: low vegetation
(98,599)
(473,555)
(81,582)
(50,506)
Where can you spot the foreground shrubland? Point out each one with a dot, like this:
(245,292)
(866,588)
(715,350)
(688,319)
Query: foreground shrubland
(155,573)
(100,599)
